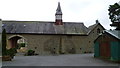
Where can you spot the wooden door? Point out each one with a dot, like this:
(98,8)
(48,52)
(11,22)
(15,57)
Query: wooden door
(105,50)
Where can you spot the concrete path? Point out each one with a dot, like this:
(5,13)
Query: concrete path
(60,60)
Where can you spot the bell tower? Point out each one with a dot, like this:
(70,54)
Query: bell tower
(58,15)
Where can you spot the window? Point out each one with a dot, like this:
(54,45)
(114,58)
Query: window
(98,30)
(80,48)
(35,47)
(69,36)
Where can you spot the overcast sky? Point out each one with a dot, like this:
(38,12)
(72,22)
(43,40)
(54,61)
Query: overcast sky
(86,11)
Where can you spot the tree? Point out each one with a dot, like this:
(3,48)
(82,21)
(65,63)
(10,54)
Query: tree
(4,42)
(114,12)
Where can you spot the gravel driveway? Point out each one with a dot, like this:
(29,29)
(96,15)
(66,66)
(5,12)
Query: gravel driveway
(60,60)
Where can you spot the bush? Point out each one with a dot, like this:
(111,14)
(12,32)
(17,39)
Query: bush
(30,53)
(11,52)
(22,44)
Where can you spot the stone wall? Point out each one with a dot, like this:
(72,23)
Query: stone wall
(56,44)
(50,44)
(92,36)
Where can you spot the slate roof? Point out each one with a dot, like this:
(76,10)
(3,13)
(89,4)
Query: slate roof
(44,27)
(90,28)
(114,33)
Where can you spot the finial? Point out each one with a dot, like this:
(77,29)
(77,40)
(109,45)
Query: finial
(58,8)
(59,11)
(97,21)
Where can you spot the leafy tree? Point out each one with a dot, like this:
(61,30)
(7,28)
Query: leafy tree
(4,42)
(114,12)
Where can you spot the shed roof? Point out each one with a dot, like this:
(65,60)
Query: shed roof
(114,33)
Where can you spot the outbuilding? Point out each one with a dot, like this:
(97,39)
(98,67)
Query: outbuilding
(107,45)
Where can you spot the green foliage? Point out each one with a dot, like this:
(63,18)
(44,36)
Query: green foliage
(30,53)
(114,12)
(21,45)
(4,42)
(11,52)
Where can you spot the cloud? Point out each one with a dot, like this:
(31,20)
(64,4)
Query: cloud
(86,11)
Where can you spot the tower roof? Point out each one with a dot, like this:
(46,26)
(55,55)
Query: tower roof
(59,11)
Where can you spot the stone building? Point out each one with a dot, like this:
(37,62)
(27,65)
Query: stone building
(46,37)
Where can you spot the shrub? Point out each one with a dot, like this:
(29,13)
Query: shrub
(11,52)
(30,53)
(22,44)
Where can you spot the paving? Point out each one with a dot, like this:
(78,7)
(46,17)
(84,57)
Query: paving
(59,60)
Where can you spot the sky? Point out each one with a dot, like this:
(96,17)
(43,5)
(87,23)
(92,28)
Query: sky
(86,11)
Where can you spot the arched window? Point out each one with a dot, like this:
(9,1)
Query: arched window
(98,30)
